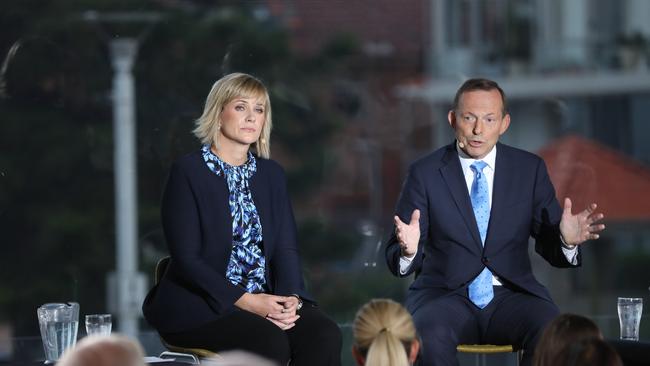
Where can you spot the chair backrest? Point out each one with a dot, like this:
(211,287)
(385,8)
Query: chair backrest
(161,267)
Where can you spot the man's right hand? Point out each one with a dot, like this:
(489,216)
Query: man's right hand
(408,235)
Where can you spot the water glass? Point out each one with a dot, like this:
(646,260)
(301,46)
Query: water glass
(98,324)
(629,317)
(59,323)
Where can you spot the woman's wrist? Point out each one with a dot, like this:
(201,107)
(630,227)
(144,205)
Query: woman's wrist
(299,306)
(244,302)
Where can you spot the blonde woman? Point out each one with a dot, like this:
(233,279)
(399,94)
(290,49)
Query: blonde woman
(384,335)
(234,280)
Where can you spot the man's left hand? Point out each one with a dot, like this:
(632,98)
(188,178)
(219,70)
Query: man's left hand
(576,229)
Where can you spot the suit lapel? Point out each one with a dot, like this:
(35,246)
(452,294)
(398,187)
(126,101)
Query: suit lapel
(452,173)
(501,186)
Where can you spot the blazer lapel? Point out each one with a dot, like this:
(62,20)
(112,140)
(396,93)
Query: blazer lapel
(501,186)
(452,173)
(217,196)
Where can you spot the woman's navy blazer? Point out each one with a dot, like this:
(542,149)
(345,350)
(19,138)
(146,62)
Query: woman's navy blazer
(198,228)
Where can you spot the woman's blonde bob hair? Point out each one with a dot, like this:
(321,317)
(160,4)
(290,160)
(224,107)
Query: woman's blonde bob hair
(224,90)
(383,333)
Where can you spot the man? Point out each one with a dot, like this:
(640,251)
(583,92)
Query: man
(462,224)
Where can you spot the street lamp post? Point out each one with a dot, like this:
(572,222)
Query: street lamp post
(123,52)
(127,286)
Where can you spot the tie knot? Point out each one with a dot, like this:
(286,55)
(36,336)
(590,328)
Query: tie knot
(477,166)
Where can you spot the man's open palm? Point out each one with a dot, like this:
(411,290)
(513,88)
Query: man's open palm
(578,228)
(408,235)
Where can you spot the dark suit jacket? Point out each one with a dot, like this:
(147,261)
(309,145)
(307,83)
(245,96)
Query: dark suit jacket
(198,228)
(450,254)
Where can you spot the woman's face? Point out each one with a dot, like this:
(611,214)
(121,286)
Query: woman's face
(242,120)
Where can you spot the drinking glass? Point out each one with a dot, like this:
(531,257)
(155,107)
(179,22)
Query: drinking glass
(629,317)
(98,324)
(58,323)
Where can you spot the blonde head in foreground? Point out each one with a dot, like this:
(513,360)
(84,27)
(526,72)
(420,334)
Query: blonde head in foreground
(384,335)
(113,350)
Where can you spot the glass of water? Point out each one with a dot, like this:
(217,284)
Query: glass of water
(629,317)
(58,323)
(98,324)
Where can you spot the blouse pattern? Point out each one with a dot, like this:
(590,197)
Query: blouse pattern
(247,264)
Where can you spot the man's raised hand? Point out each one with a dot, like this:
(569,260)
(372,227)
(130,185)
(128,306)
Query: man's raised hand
(578,228)
(408,235)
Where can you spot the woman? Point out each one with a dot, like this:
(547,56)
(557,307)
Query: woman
(561,332)
(234,280)
(384,335)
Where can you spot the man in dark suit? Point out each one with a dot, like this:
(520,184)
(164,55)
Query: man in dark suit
(462,224)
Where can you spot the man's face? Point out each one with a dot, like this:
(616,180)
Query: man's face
(479,121)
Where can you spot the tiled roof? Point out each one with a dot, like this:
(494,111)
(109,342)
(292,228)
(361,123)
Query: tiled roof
(586,172)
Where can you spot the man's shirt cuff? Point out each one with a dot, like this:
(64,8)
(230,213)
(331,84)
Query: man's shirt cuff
(405,264)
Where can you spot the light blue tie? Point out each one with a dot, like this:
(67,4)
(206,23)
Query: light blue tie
(480,290)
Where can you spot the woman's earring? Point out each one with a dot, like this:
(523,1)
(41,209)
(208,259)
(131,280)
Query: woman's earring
(263,140)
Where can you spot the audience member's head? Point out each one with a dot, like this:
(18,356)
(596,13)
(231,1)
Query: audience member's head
(384,334)
(237,358)
(113,350)
(588,352)
(561,332)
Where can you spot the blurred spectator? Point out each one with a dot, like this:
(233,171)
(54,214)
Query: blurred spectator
(238,358)
(384,335)
(561,332)
(113,350)
(587,352)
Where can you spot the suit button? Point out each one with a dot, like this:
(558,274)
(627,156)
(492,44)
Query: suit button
(486,260)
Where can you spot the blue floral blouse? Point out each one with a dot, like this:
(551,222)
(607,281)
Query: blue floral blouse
(247,263)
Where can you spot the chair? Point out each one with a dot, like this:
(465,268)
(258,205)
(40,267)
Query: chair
(481,350)
(193,353)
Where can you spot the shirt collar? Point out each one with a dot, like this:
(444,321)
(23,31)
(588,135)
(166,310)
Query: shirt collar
(220,167)
(466,160)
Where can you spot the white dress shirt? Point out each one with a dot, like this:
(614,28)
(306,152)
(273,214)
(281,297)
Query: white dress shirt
(465,163)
